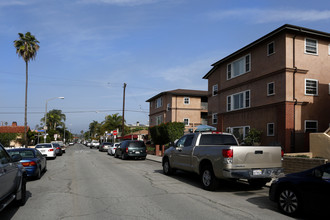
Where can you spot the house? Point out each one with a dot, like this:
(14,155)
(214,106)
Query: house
(180,105)
(279,84)
(14,129)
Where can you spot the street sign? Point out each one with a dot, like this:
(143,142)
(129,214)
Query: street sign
(114,132)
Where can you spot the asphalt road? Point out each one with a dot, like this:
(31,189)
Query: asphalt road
(87,184)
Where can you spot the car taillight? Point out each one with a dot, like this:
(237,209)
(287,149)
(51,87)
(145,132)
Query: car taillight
(227,153)
(51,150)
(114,148)
(282,153)
(57,148)
(29,164)
(126,149)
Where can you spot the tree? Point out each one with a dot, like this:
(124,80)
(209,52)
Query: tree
(93,128)
(112,122)
(55,118)
(26,47)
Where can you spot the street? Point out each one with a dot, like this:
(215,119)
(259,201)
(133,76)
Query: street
(87,184)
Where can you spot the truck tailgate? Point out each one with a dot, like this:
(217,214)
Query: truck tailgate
(256,157)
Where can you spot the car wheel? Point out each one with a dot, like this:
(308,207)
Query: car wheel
(123,157)
(289,202)
(38,176)
(209,181)
(116,156)
(22,200)
(167,169)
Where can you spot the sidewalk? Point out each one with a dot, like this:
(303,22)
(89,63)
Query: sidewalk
(154,158)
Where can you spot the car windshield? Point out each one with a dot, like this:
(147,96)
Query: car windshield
(217,139)
(44,146)
(23,153)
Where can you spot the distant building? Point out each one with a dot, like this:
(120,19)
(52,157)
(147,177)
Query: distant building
(279,84)
(180,105)
(14,129)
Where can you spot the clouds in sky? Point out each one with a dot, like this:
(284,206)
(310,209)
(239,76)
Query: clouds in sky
(272,15)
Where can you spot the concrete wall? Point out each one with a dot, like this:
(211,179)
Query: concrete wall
(296,164)
(320,144)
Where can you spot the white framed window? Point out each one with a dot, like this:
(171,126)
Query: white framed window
(270,129)
(239,132)
(168,106)
(239,67)
(270,88)
(159,119)
(215,118)
(186,100)
(186,121)
(238,101)
(215,90)
(159,102)
(311,125)
(311,87)
(270,48)
(311,46)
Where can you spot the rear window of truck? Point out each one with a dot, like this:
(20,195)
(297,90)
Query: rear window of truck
(217,139)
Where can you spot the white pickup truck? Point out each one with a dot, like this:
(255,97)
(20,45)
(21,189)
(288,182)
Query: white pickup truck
(217,155)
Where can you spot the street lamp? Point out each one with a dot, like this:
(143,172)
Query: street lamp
(45,127)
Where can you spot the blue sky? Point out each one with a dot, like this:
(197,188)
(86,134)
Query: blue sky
(90,48)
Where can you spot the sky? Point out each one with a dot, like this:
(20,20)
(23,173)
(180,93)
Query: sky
(90,48)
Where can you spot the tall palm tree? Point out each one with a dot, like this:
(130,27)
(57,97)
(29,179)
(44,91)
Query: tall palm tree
(26,47)
(55,118)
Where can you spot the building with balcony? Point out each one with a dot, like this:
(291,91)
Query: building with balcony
(180,105)
(279,84)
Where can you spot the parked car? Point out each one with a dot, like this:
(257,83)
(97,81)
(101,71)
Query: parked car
(71,143)
(304,191)
(59,151)
(95,144)
(12,179)
(33,161)
(131,149)
(62,145)
(47,149)
(105,146)
(217,155)
(112,148)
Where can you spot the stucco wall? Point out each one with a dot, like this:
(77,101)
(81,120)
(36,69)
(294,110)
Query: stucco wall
(320,145)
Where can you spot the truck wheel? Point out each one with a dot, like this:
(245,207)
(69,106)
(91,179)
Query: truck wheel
(258,183)
(208,178)
(167,169)
(289,201)
(21,202)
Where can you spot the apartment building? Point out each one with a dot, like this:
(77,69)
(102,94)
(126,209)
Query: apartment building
(180,105)
(279,84)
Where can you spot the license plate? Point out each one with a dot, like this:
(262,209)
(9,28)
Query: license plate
(137,152)
(257,172)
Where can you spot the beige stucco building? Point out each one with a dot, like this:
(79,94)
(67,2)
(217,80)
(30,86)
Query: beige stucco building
(181,105)
(279,84)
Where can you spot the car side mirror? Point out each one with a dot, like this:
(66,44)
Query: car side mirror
(317,173)
(16,158)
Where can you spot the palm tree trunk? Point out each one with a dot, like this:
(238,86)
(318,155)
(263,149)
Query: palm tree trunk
(25,113)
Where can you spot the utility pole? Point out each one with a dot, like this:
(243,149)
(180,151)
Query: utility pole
(123,123)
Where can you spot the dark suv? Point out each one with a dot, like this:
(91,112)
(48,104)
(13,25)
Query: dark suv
(134,149)
(12,179)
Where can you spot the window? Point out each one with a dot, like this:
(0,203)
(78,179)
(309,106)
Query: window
(215,118)
(239,132)
(159,120)
(186,100)
(270,129)
(270,48)
(238,101)
(271,88)
(159,102)
(311,46)
(239,67)
(186,121)
(168,106)
(311,87)
(311,126)
(215,90)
